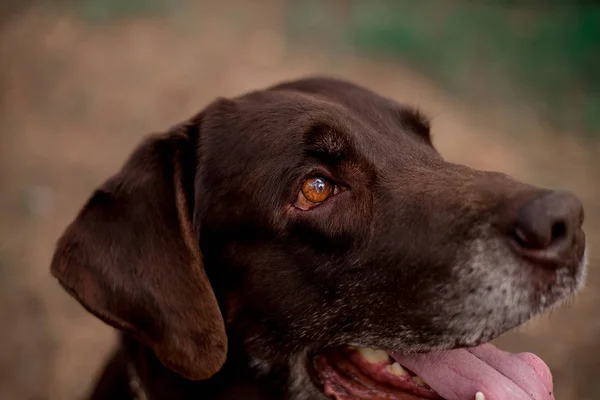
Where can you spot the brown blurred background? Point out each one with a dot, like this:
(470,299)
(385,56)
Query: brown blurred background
(510,85)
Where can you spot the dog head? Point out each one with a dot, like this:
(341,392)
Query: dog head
(310,216)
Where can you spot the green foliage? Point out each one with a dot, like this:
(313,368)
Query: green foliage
(108,10)
(548,53)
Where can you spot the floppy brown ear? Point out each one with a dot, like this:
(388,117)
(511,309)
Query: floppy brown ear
(132,259)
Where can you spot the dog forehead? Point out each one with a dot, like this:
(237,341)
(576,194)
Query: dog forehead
(354,113)
(287,106)
(360,100)
(278,122)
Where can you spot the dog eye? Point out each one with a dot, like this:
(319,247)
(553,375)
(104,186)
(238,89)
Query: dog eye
(314,191)
(317,190)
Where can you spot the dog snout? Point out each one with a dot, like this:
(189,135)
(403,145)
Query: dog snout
(546,227)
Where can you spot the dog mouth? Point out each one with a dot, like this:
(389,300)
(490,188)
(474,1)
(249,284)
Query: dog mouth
(481,373)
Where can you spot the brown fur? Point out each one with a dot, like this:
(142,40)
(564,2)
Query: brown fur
(223,289)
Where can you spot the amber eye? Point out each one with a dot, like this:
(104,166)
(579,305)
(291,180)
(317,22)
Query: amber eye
(314,191)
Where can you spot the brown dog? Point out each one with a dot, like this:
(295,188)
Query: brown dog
(306,241)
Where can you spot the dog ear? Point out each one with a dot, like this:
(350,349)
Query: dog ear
(132,259)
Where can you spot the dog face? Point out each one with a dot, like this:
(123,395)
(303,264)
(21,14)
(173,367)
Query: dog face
(311,216)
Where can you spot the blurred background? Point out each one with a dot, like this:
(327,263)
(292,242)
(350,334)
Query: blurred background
(510,85)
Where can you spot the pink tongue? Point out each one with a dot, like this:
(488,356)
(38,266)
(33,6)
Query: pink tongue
(499,375)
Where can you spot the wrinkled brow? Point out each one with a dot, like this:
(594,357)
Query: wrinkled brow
(327,143)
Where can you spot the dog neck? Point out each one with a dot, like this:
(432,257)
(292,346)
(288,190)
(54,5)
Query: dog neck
(135,383)
(148,379)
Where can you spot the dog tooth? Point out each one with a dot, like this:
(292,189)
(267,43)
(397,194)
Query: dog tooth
(373,356)
(396,369)
(419,381)
(479,396)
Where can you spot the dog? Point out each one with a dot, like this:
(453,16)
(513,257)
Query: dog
(306,241)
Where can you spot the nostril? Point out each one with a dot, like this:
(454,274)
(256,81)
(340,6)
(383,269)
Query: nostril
(521,238)
(559,231)
(532,237)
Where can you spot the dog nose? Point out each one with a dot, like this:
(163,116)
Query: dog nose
(546,225)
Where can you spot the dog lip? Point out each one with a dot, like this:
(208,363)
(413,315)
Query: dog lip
(406,385)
